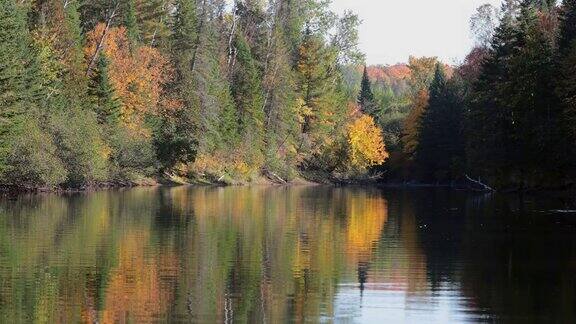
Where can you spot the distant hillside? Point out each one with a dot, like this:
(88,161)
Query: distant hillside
(395,76)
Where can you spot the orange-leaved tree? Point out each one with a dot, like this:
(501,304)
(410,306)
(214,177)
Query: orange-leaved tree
(137,74)
(365,143)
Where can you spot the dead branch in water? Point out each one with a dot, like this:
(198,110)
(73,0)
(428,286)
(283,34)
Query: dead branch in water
(479,183)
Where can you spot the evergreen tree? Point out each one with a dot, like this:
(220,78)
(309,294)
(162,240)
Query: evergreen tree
(567,35)
(183,47)
(366,96)
(489,118)
(107,104)
(27,153)
(129,20)
(153,17)
(177,137)
(315,86)
(566,70)
(440,150)
(538,136)
(17,71)
(248,95)
(15,76)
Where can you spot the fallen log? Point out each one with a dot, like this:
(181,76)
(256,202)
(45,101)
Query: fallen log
(479,183)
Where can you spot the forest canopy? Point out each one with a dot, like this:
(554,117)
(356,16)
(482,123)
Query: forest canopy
(119,91)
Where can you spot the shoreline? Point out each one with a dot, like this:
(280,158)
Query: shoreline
(303,178)
(14,190)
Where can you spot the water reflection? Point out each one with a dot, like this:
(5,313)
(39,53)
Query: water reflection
(301,254)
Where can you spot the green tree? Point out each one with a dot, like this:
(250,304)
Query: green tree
(248,96)
(129,20)
(566,65)
(366,96)
(27,153)
(107,104)
(567,35)
(489,117)
(538,137)
(440,149)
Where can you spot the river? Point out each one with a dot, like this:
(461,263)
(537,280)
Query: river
(286,254)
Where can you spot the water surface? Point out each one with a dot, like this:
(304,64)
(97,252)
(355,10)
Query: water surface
(296,254)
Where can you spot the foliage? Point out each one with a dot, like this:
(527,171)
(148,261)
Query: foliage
(138,76)
(107,105)
(366,145)
(131,156)
(440,149)
(411,127)
(366,98)
(77,137)
(119,90)
(32,158)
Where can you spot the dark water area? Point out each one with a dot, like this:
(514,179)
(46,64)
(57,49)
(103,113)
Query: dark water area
(287,254)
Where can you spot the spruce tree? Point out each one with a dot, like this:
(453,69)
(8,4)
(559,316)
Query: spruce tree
(366,96)
(15,77)
(537,130)
(248,95)
(107,104)
(183,46)
(567,35)
(17,59)
(130,21)
(566,71)
(440,148)
(489,118)
(27,153)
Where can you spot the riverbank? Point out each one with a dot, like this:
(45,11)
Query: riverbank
(167,180)
(306,178)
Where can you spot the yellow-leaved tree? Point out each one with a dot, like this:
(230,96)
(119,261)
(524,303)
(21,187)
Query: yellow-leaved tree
(365,143)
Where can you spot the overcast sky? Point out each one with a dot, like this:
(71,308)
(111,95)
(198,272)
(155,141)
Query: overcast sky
(394,29)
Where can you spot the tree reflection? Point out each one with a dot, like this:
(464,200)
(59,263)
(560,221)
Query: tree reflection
(268,254)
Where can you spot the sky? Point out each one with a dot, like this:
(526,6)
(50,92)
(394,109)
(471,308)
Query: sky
(392,30)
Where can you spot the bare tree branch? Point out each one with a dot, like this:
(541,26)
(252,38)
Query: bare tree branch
(111,17)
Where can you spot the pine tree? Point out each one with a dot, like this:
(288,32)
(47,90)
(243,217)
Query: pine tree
(153,18)
(129,20)
(27,153)
(248,95)
(567,36)
(58,31)
(280,98)
(440,150)
(489,119)
(538,134)
(566,70)
(314,83)
(366,96)
(107,104)
(184,44)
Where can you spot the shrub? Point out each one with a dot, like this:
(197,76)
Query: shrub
(80,145)
(30,158)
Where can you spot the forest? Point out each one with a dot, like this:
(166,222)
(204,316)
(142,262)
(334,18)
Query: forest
(214,91)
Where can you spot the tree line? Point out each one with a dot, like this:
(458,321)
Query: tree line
(506,115)
(122,90)
(125,90)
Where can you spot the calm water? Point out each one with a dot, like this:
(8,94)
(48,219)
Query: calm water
(272,255)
